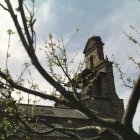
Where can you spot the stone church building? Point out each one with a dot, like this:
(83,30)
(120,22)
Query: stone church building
(101,95)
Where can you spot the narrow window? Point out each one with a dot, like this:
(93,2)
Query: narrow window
(91,62)
(99,87)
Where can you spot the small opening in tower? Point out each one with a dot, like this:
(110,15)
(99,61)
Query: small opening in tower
(99,86)
(91,62)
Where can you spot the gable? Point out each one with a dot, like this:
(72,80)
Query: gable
(94,40)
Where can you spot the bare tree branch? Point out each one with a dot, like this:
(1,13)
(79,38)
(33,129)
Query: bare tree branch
(132,105)
(33,92)
(4,7)
(52,129)
(34,59)
(80,129)
(23,17)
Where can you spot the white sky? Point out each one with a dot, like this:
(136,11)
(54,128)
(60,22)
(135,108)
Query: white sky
(105,18)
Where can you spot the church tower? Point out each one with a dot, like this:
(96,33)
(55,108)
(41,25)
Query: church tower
(93,52)
(103,93)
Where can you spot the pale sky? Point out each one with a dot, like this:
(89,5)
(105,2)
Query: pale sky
(106,18)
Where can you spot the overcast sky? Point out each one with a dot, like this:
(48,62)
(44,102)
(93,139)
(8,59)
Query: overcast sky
(106,18)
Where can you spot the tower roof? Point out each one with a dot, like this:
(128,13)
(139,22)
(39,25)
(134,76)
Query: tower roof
(92,41)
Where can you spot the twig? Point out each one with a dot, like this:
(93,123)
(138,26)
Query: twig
(4,7)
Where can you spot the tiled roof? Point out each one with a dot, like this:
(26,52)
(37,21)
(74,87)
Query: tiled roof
(54,112)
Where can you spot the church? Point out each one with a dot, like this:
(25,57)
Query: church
(101,95)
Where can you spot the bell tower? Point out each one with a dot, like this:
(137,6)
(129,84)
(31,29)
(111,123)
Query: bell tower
(106,101)
(93,52)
